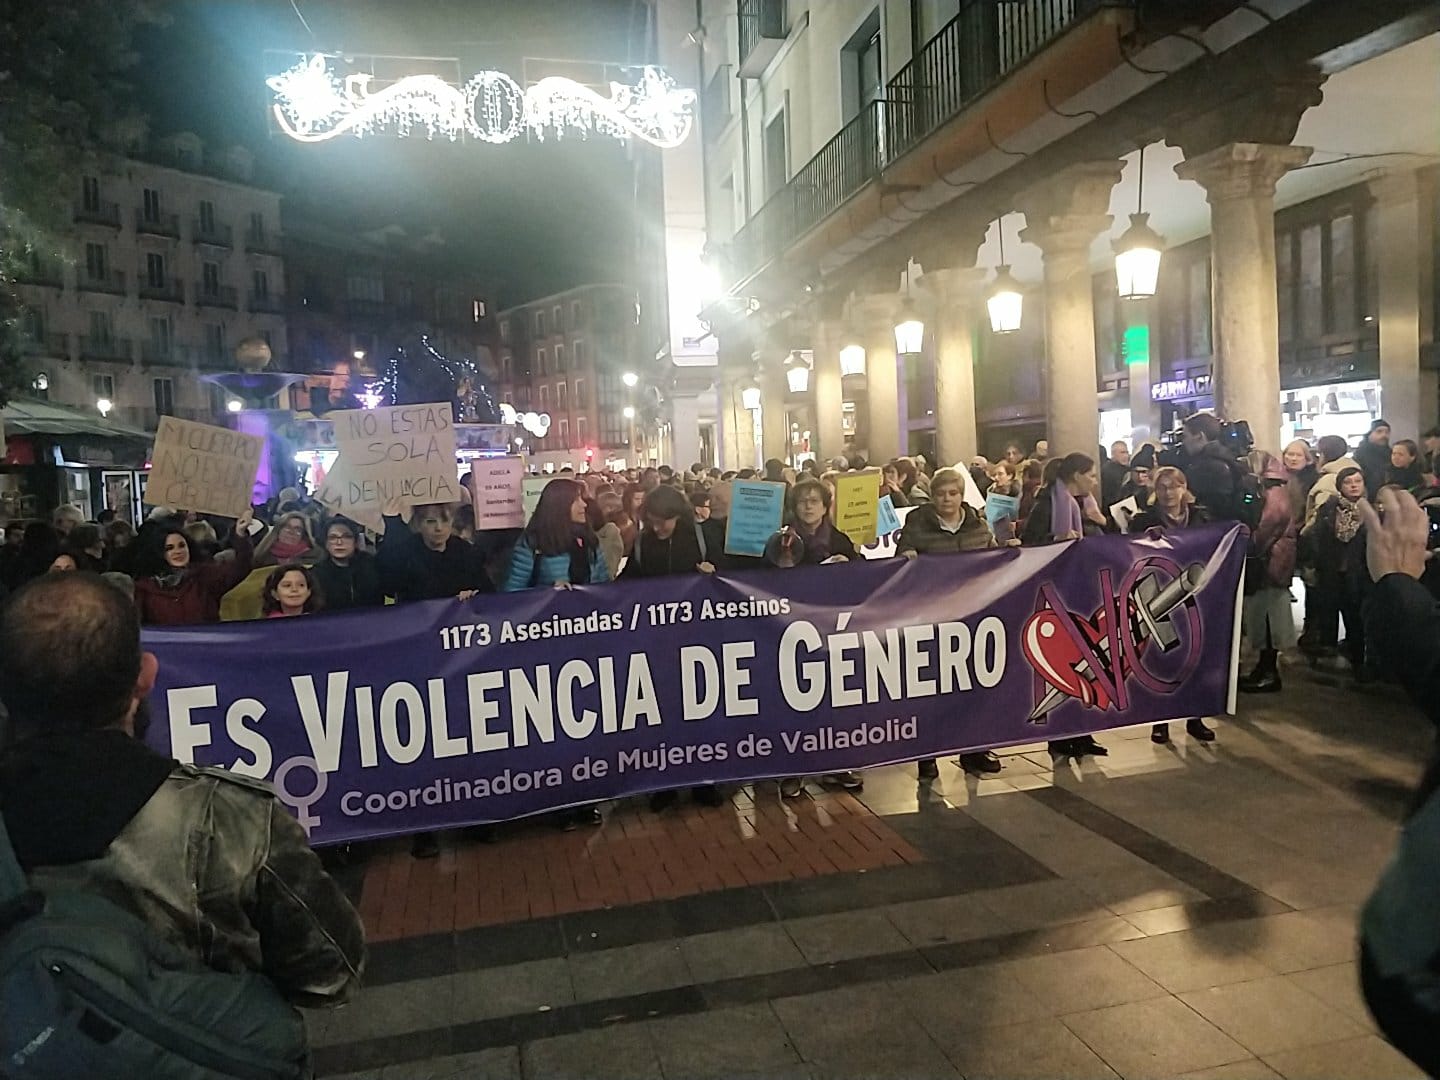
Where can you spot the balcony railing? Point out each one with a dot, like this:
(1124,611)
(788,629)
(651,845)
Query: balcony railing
(36,272)
(215,235)
(164,354)
(95,348)
(261,242)
(222,296)
(371,309)
(158,224)
(762,32)
(267,304)
(112,282)
(104,213)
(56,346)
(982,45)
(172,290)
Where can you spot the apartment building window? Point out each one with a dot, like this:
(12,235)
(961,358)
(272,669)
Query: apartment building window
(477,309)
(579,393)
(210,277)
(578,348)
(539,324)
(541,367)
(155,269)
(214,340)
(565,433)
(152,204)
(561,396)
(260,283)
(862,67)
(575,310)
(207,217)
(34,324)
(102,327)
(257,225)
(580,439)
(365,286)
(504,329)
(544,398)
(164,397)
(507,368)
(776,155)
(103,385)
(560,358)
(160,335)
(90,192)
(559,319)
(96,263)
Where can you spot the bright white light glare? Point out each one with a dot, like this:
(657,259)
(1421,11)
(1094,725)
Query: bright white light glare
(909,336)
(104,404)
(629,412)
(508,415)
(234,405)
(852,360)
(313,104)
(1006,302)
(630,379)
(750,398)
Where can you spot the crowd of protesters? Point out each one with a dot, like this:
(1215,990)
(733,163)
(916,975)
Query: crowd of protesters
(590,528)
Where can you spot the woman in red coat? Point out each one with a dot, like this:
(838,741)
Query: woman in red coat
(174,588)
(1268,621)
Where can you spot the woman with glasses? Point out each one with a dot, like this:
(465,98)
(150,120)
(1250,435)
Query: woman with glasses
(348,577)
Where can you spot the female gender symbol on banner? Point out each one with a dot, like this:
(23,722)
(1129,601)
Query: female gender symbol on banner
(301,803)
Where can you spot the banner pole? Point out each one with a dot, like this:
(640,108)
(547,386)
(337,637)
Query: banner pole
(1232,698)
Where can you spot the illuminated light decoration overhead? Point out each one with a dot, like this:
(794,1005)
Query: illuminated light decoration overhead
(314,104)
(852,360)
(373,395)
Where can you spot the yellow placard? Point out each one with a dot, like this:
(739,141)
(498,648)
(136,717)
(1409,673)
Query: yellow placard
(857,505)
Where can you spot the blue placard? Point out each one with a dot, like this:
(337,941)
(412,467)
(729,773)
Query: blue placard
(757,508)
(999,507)
(889,520)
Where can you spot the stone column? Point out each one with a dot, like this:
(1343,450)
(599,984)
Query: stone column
(826,341)
(1399,228)
(957,293)
(1063,216)
(1239,181)
(882,376)
(774,424)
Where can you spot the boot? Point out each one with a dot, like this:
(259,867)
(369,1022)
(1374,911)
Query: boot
(927,769)
(1160,733)
(982,761)
(1196,729)
(1265,679)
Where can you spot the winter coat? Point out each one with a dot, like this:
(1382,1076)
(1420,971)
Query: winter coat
(1324,489)
(1210,475)
(411,571)
(840,544)
(529,570)
(1273,544)
(1150,518)
(1374,462)
(923,533)
(197,598)
(1412,476)
(612,546)
(677,554)
(1297,487)
(209,859)
(355,584)
(1324,550)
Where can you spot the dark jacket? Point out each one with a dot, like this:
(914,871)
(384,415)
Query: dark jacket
(1412,476)
(1324,550)
(1039,527)
(209,859)
(924,534)
(1211,476)
(1374,462)
(1112,483)
(678,554)
(839,544)
(411,571)
(356,584)
(197,598)
(1150,518)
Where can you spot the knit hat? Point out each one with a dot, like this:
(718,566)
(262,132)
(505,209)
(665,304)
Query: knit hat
(1144,458)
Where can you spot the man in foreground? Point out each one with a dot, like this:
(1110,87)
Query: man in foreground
(1400,926)
(210,861)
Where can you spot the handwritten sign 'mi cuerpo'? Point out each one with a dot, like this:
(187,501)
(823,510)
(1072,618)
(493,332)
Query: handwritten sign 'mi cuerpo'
(204,468)
(404,451)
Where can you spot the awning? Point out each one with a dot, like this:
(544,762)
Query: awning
(83,437)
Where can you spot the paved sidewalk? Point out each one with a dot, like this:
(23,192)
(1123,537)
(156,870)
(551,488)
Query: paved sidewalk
(1180,910)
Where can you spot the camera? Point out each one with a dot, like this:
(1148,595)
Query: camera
(1433,512)
(1235,436)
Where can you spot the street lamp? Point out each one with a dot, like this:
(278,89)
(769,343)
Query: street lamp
(234,405)
(1006,302)
(852,360)
(630,379)
(358,354)
(104,404)
(628,412)
(1138,251)
(750,397)
(909,331)
(797,372)
(42,382)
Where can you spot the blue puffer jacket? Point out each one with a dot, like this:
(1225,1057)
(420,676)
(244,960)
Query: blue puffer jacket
(528,571)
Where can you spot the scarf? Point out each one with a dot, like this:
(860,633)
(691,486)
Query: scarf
(171,580)
(1347,519)
(1176,522)
(817,543)
(1064,511)
(285,551)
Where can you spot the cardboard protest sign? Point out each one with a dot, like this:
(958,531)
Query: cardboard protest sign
(204,468)
(334,493)
(757,508)
(530,489)
(403,451)
(496,487)
(857,505)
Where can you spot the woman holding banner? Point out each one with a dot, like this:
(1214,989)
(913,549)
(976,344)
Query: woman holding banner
(944,526)
(174,588)
(1057,516)
(426,560)
(348,577)
(1173,506)
(558,546)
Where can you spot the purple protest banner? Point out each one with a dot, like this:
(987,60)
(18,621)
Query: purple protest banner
(446,713)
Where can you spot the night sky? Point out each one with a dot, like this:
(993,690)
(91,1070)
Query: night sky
(534,218)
